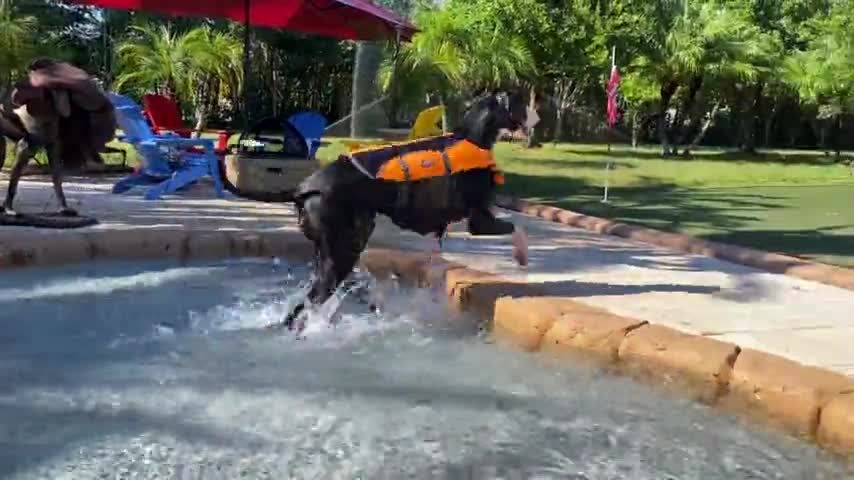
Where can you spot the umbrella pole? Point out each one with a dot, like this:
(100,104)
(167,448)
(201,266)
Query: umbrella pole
(247,66)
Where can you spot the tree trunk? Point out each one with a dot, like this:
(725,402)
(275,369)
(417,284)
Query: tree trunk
(821,126)
(769,126)
(635,129)
(201,119)
(368,57)
(702,132)
(275,92)
(532,104)
(837,138)
(751,126)
(565,93)
(687,111)
(558,124)
(667,91)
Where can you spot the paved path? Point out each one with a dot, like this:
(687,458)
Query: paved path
(805,321)
(196,209)
(808,322)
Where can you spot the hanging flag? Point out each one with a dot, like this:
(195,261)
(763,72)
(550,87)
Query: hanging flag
(613,93)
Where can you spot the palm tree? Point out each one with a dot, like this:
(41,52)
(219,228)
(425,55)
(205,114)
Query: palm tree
(16,43)
(453,56)
(711,42)
(823,75)
(734,50)
(431,65)
(200,65)
(216,70)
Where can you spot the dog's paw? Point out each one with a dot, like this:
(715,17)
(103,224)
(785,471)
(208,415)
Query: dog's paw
(520,247)
(8,211)
(68,212)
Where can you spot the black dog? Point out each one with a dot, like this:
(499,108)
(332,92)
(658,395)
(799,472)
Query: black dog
(422,186)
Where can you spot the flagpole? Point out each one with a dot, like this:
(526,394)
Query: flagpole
(608,160)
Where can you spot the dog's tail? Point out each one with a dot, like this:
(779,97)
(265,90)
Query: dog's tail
(285,196)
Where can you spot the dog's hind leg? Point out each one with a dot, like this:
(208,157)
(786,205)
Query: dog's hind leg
(340,234)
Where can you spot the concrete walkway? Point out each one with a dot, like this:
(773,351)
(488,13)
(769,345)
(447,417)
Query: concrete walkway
(804,321)
(801,320)
(195,209)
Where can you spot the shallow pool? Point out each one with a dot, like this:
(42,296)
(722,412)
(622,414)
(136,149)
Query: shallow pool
(149,370)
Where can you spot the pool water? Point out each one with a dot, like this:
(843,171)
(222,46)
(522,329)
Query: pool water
(152,370)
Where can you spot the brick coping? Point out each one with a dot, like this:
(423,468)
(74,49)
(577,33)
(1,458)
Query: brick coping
(812,403)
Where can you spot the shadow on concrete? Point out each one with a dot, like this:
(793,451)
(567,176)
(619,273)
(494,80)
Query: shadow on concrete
(798,243)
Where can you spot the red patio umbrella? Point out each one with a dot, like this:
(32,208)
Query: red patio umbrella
(342,19)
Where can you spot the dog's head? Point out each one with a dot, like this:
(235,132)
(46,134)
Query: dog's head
(512,112)
(487,116)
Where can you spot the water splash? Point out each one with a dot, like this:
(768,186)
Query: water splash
(411,393)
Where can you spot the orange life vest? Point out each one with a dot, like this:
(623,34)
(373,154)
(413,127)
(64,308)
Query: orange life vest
(423,159)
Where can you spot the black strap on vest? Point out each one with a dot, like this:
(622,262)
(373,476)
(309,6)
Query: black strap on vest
(447,161)
(403,194)
(407,175)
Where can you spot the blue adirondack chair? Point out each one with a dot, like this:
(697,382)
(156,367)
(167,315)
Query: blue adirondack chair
(311,125)
(166,160)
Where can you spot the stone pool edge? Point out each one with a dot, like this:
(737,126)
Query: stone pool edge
(144,243)
(809,402)
(771,262)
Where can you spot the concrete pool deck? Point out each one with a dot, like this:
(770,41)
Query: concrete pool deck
(744,308)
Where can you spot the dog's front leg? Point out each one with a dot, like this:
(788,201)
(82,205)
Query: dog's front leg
(56,172)
(433,249)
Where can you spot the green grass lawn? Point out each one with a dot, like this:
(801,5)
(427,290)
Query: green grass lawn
(792,202)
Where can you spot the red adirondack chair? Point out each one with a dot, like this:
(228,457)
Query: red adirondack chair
(165,116)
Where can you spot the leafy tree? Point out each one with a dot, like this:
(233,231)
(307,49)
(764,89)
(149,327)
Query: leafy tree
(16,39)
(823,73)
(201,65)
(708,43)
(21,40)
(455,54)
(687,66)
